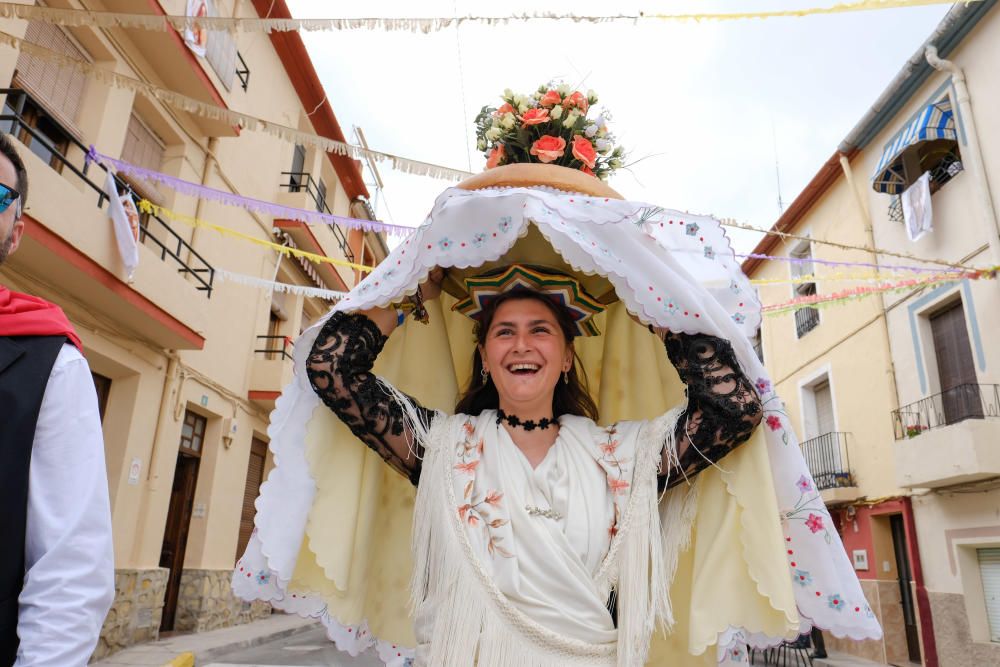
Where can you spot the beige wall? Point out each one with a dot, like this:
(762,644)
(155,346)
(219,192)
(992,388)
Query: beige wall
(146,406)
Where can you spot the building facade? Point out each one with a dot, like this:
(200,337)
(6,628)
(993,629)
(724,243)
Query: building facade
(908,381)
(187,366)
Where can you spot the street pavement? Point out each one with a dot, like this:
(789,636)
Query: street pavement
(304,649)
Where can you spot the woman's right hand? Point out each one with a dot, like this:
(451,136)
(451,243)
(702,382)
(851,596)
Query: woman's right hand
(431,289)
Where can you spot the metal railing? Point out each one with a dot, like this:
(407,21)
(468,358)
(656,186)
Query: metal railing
(828,461)
(806,319)
(303,180)
(242,71)
(170,244)
(965,401)
(275,347)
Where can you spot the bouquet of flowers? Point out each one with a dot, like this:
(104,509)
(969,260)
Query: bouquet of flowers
(551,126)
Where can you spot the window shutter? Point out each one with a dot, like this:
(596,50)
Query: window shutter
(989,570)
(824,409)
(57,87)
(142,147)
(255,477)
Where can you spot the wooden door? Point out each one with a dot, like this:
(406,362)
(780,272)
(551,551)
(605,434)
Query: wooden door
(956,370)
(255,477)
(176,532)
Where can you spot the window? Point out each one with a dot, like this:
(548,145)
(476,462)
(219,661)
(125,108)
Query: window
(38,130)
(142,147)
(297,175)
(193,432)
(320,196)
(60,88)
(960,398)
(221,54)
(103,386)
(806,319)
(989,571)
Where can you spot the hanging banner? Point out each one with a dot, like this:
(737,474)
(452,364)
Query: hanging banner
(125,218)
(196,34)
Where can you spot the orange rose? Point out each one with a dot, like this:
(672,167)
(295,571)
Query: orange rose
(584,151)
(548,148)
(506,108)
(535,117)
(576,100)
(550,99)
(496,156)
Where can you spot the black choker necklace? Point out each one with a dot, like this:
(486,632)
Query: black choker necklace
(529,425)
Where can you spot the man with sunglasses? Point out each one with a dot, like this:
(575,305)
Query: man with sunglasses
(56,564)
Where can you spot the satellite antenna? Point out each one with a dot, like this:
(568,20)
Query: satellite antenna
(372,169)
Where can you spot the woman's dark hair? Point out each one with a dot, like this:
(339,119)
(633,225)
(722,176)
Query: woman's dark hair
(572,398)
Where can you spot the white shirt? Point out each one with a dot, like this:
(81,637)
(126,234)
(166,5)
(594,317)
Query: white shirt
(69,579)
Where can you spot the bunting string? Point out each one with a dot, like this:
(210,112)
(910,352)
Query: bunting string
(830,262)
(425,25)
(223,275)
(249,203)
(865,291)
(868,277)
(729,222)
(147,206)
(230,117)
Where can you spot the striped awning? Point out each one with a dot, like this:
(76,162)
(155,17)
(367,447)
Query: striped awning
(936,121)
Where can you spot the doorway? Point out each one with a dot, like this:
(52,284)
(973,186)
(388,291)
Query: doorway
(175,533)
(905,591)
(960,397)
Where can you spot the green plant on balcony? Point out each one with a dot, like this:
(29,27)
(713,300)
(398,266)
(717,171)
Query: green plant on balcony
(915,430)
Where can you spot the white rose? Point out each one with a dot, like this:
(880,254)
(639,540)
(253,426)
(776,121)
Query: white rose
(508,120)
(571,117)
(521,108)
(590,130)
(556,112)
(508,93)
(493,133)
(563,89)
(592,96)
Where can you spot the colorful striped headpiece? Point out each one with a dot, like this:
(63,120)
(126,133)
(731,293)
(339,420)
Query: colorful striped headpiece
(562,289)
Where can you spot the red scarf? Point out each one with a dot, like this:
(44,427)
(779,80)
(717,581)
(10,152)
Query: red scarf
(24,315)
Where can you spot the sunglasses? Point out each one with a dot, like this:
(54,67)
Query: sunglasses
(8,196)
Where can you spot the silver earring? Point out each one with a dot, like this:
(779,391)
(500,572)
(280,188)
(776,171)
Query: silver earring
(486,375)
(565,377)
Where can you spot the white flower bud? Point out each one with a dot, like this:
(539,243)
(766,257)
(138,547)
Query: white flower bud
(508,93)
(591,96)
(590,130)
(493,133)
(571,117)
(556,112)
(615,163)
(481,145)
(508,120)
(521,108)
(563,89)
(603,145)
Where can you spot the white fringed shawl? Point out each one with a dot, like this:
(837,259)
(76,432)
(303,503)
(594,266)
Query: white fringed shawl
(474,623)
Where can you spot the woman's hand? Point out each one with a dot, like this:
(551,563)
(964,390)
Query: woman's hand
(431,289)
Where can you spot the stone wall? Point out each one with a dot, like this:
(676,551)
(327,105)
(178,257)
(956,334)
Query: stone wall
(206,602)
(135,614)
(955,646)
(870,649)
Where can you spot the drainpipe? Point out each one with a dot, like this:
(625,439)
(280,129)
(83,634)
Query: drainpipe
(205,171)
(923,602)
(866,217)
(973,152)
(151,480)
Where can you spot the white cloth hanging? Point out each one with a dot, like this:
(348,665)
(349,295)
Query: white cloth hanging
(917,214)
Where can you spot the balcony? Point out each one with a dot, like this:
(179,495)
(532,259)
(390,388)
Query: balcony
(68,232)
(949,438)
(313,195)
(828,462)
(271,370)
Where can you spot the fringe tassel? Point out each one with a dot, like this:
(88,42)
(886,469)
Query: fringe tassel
(233,118)
(252,281)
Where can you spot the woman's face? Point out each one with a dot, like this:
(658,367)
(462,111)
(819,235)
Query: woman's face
(525,353)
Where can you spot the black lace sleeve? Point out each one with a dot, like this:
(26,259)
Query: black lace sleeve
(339,369)
(723,406)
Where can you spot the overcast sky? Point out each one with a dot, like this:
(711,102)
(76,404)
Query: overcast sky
(712,106)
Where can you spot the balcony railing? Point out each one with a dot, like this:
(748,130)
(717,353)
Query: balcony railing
(966,401)
(153,228)
(242,72)
(303,180)
(274,347)
(828,461)
(806,319)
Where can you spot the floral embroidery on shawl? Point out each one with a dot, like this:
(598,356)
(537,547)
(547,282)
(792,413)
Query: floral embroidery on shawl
(619,471)
(486,509)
